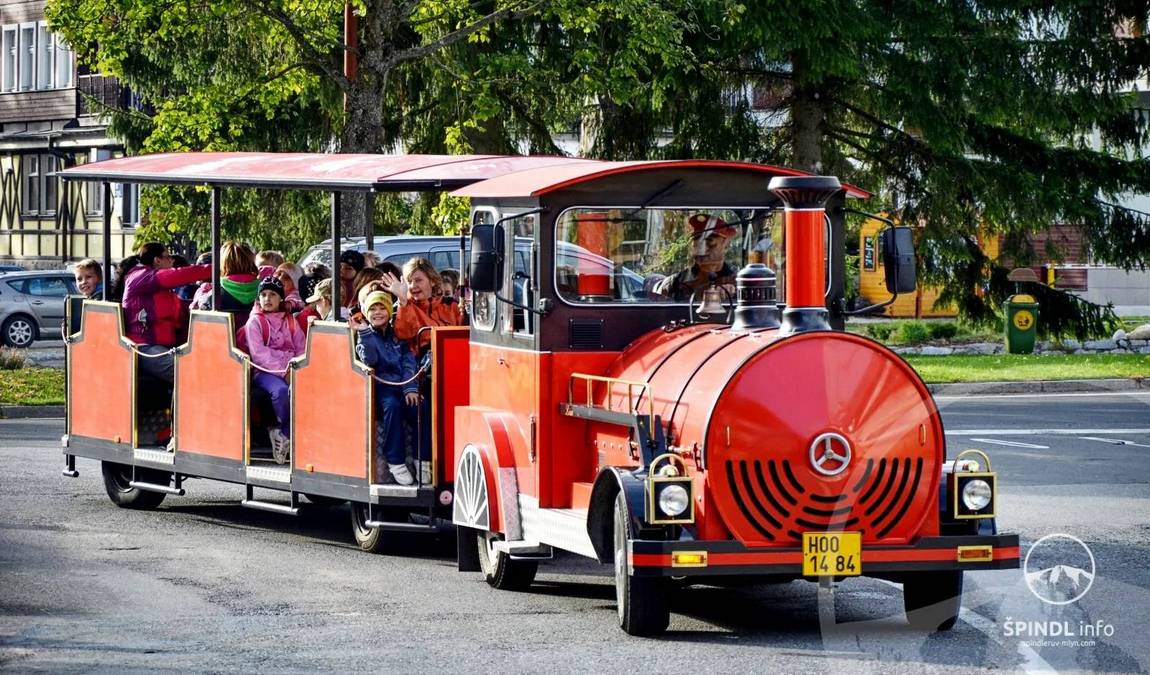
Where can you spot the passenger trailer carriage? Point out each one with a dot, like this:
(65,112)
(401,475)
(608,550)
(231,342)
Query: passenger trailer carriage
(691,429)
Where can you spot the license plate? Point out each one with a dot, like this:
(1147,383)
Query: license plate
(827,554)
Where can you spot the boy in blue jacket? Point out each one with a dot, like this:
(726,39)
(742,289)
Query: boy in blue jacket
(393,361)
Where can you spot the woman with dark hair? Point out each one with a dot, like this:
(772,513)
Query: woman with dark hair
(155,316)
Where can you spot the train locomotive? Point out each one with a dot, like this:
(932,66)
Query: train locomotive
(767,446)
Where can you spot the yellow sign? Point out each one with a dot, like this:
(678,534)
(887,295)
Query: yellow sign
(827,554)
(1024,319)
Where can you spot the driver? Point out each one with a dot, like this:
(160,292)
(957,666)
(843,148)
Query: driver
(710,237)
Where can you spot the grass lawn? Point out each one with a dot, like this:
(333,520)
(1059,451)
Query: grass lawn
(1015,367)
(32,386)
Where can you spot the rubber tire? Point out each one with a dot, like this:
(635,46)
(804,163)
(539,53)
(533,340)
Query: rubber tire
(369,539)
(501,570)
(641,601)
(932,600)
(320,500)
(34,331)
(117,477)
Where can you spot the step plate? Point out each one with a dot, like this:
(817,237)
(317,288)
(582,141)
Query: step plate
(276,474)
(155,457)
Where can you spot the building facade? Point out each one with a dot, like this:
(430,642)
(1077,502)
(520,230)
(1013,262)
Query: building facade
(51,117)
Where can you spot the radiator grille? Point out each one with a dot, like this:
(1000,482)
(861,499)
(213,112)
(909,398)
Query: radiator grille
(778,506)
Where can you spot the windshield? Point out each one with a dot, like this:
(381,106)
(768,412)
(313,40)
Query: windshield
(657,255)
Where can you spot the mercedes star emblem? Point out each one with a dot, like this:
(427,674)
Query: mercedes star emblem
(830,454)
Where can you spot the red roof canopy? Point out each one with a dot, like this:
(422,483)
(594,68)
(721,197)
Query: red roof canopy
(314,171)
(539,181)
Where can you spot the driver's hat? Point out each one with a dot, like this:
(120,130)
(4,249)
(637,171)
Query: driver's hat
(704,225)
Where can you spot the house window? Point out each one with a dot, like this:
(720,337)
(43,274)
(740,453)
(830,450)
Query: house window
(39,186)
(8,68)
(94,190)
(129,204)
(27,57)
(34,58)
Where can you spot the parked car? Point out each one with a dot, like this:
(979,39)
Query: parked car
(10,268)
(32,305)
(443,253)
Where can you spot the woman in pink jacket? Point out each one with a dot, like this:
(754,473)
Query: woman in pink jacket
(274,338)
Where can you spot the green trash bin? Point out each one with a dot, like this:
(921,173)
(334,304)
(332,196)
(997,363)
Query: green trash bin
(1021,323)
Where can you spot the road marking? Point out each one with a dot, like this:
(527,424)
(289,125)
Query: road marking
(1031,661)
(1114,441)
(1042,432)
(1012,444)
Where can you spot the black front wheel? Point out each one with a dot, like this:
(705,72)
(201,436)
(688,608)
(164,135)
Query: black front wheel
(116,482)
(642,601)
(932,600)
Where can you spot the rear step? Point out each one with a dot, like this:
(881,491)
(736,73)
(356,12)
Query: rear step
(291,510)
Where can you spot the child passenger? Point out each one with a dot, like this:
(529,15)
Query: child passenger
(380,349)
(274,339)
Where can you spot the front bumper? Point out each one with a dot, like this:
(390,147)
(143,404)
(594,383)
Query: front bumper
(656,558)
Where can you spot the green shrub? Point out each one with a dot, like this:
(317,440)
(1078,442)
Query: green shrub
(11,359)
(942,330)
(912,332)
(879,331)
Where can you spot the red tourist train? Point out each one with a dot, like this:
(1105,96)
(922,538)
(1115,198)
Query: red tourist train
(628,389)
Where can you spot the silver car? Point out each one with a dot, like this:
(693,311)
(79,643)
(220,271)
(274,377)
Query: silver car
(32,305)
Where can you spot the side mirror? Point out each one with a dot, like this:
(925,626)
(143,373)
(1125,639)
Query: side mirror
(898,260)
(486,265)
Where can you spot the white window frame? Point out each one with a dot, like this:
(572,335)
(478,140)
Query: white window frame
(65,64)
(26,58)
(9,57)
(45,57)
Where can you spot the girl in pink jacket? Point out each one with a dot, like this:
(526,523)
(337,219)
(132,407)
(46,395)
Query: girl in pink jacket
(274,338)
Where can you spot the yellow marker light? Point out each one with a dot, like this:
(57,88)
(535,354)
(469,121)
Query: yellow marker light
(975,553)
(689,559)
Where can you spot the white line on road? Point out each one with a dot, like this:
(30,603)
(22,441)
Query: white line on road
(1031,661)
(1012,444)
(1042,432)
(1115,441)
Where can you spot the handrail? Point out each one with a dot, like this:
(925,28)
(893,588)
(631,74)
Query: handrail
(644,387)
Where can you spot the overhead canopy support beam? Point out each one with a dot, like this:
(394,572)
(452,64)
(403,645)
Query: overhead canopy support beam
(336,281)
(216,261)
(107,188)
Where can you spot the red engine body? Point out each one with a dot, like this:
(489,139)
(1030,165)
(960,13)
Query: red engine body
(745,408)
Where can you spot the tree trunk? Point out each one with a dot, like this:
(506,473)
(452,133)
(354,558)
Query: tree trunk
(808,114)
(363,121)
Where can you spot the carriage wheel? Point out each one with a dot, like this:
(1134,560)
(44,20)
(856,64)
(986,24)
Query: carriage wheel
(500,569)
(642,601)
(116,482)
(370,539)
(932,600)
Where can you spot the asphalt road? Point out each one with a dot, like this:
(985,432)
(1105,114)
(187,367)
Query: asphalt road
(204,585)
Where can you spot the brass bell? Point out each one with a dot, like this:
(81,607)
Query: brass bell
(712,302)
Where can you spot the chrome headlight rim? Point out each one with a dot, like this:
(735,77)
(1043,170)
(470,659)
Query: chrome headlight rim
(977,494)
(674,500)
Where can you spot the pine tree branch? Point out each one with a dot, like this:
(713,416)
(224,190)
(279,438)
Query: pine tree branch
(316,58)
(451,38)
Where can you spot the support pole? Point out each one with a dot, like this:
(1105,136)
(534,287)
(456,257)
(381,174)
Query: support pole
(336,280)
(369,220)
(107,187)
(216,248)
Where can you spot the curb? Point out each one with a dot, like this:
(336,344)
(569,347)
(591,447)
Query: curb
(1039,387)
(16,412)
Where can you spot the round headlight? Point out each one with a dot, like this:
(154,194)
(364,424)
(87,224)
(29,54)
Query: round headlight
(673,500)
(976,494)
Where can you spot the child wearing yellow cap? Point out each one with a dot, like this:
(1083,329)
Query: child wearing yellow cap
(393,361)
